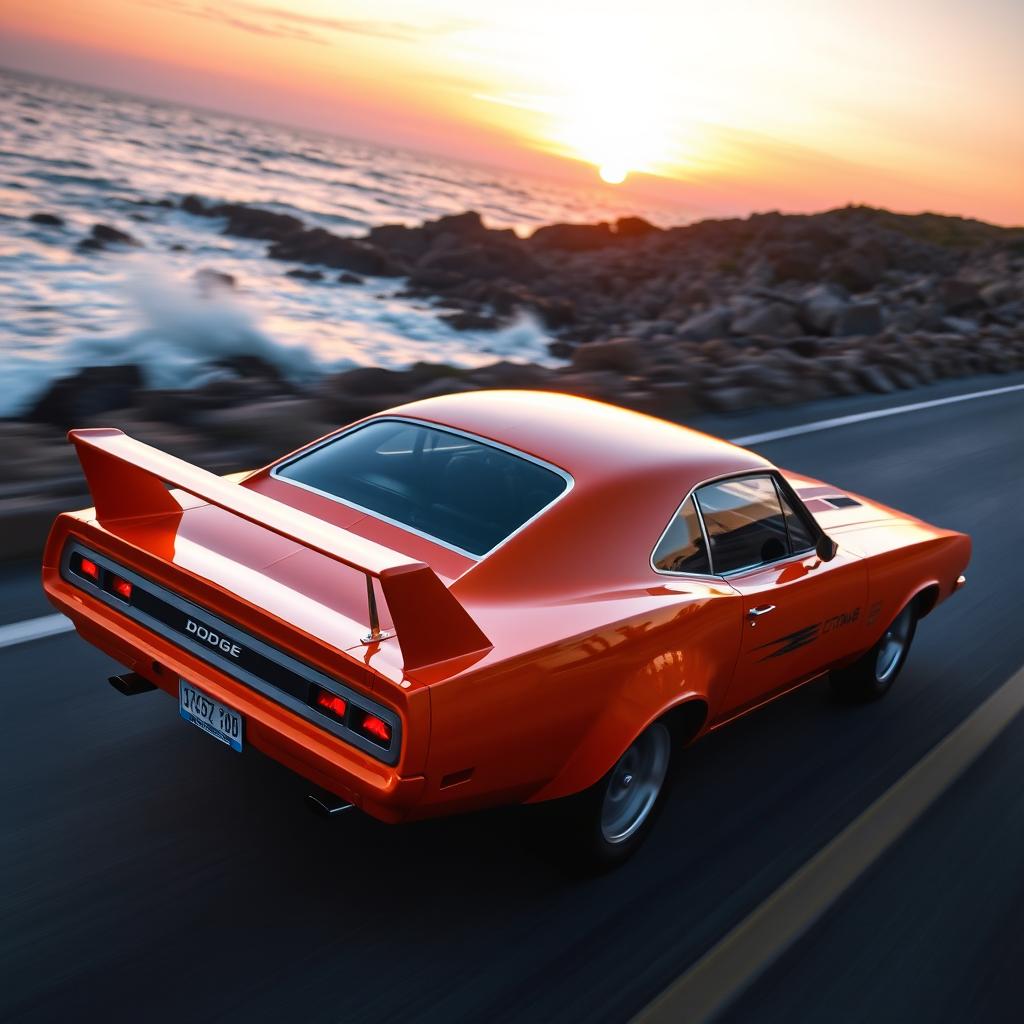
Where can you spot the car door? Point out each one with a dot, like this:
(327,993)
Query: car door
(800,614)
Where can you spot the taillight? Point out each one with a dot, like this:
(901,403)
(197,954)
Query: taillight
(372,727)
(368,725)
(89,569)
(331,703)
(122,588)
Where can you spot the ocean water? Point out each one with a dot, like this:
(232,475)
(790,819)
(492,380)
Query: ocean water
(92,157)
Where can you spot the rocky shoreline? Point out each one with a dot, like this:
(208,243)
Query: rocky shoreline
(719,316)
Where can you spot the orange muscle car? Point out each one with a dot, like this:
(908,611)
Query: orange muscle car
(490,598)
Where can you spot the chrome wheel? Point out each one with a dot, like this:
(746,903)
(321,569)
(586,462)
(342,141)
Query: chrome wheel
(894,645)
(635,783)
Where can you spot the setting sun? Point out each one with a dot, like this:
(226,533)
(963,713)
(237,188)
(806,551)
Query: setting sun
(603,100)
(724,108)
(613,174)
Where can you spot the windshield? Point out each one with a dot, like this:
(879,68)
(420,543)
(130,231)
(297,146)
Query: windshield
(467,494)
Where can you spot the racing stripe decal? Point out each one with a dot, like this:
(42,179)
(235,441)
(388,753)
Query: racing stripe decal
(808,634)
(791,641)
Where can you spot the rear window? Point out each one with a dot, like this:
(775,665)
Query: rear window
(467,494)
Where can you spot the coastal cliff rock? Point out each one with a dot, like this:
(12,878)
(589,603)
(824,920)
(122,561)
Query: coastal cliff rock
(718,316)
(850,272)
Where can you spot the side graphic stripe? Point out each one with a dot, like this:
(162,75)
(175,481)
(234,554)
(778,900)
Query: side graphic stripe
(791,641)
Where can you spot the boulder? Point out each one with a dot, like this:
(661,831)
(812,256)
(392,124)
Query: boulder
(249,367)
(466,226)
(764,318)
(820,307)
(362,390)
(320,246)
(50,220)
(859,318)
(435,279)
(604,385)
(345,277)
(873,378)
(103,235)
(673,399)
(696,293)
(253,222)
(504,374)
(957,295)
(305,275)
(806,347)
(95,389)
(635,227)
(623,355)
(960,325)
(573,237)
(998,293)
(210,280)
(556,313)
(730,399)
(487,260)
(194,205)
(280,425)
(792,261)
(704,326)
(401,241)
(859,268)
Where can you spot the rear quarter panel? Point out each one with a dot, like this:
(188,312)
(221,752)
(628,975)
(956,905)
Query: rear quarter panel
(551,721)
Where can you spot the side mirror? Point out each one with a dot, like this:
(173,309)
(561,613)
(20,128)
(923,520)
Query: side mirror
(826,548)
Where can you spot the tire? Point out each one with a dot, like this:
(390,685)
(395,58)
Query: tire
(871,676)
(600,828)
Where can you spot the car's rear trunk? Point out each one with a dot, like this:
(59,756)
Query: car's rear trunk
(202,611)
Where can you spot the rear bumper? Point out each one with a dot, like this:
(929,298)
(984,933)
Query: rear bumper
(326,760)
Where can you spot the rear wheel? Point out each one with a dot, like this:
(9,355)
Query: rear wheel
(872,675)
(601,827)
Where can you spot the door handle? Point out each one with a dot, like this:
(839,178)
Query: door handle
(761,609)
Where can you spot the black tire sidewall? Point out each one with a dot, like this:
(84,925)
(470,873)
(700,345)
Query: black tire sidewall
(859,681)
(573,838)
(883,687)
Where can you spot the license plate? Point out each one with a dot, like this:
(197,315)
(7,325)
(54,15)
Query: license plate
(220,722)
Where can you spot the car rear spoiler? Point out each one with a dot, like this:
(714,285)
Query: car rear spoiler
(127,480)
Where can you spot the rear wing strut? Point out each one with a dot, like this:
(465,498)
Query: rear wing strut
(127,480)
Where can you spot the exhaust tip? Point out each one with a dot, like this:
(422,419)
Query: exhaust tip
(326,805)
(131,684)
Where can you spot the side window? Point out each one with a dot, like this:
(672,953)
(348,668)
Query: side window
(744,521)
(682,548)
(800,537)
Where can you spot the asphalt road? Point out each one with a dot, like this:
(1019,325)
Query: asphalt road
(148,873)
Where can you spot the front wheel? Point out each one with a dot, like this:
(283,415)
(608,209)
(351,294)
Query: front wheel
(601,827)
(872,675)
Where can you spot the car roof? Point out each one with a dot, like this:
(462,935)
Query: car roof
(592,441)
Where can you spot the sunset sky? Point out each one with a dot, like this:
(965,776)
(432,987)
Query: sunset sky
(726,107)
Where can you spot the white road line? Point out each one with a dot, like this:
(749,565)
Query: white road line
(861,417)
(745,953)
(34,629)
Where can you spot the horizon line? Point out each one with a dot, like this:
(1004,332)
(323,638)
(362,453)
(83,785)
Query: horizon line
(148,97)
